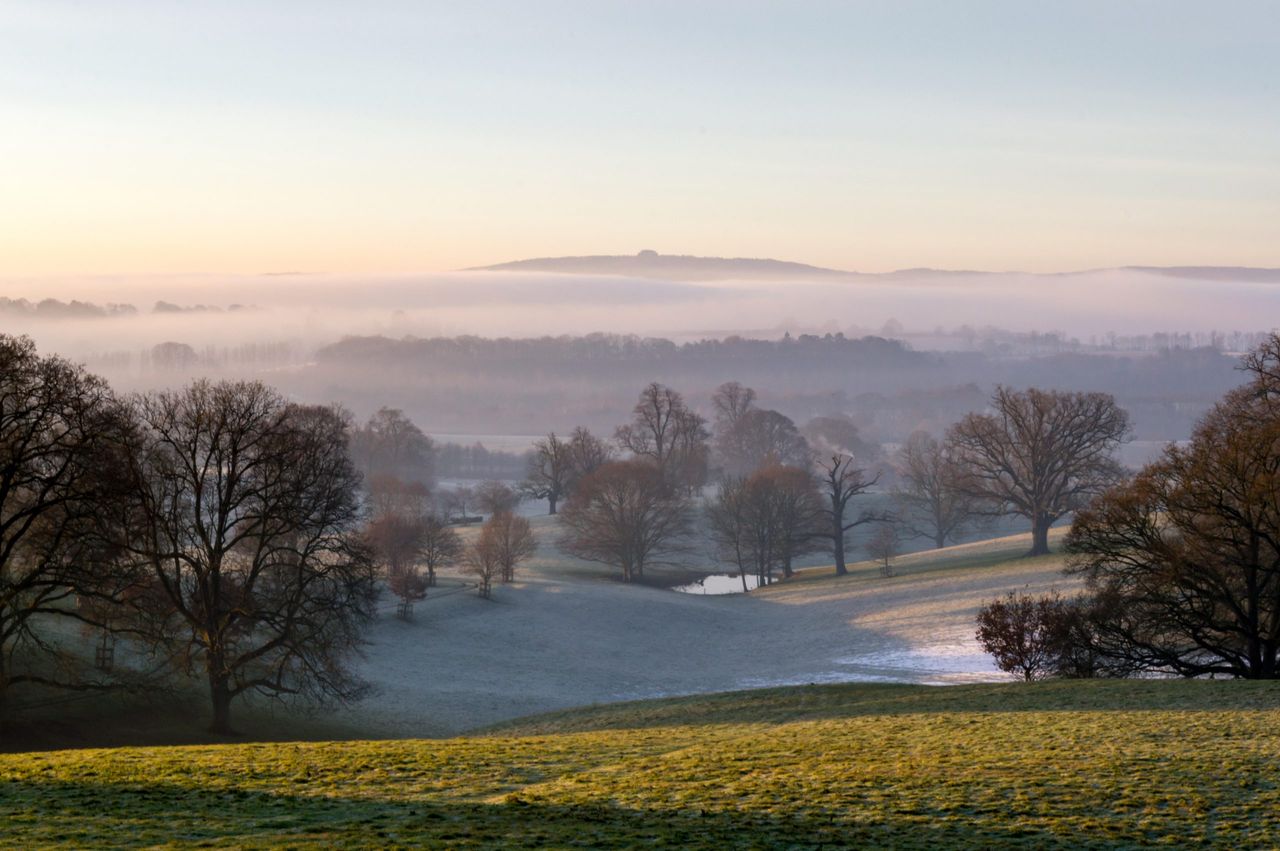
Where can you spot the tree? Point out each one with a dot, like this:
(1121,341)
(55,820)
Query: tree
(1184,560)
(550,471)
(396,540)
(482,560)
(587,453)
(440,546)
(454,502)
(738,536)
(883,546)
(800,517)
(935,500)
(839,434)
(626,516)
(1041,454)
(63,466)
(840,481)
(1028,636)
(245,510)
(665,432)
(390,444)
(494,497)
(513,542)
(731,402)
(760,438)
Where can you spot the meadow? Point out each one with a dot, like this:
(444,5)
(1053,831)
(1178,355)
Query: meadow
(1062,764)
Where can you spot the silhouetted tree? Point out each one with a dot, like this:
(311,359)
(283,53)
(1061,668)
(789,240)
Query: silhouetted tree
(550,471)
(840,481)
(627,516)
(1040,454)
(1185,558)
(245,509)
(63,471)
(587,453)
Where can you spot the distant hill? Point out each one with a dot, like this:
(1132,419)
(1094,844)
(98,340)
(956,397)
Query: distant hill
(684,267)
(651,264)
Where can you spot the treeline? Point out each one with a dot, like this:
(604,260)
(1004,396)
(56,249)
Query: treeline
(52,308)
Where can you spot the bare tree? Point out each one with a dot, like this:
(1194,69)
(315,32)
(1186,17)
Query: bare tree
(760,438)
(245,510)
(396,539)
(513,541)
(63,468)
(739,537)
(883,546)
(664,431)
(587,453)
(390,444)
(440,546)
(494,497)
(625,515)
(481,559)
(550,471)
(840,481)
(799,515)
(933,494)
(1040,454)
(731,400)
(1184,560)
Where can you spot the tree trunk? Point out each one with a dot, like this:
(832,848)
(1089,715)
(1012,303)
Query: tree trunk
(431,577)
(837,547)
(939,540)
(1039,536)
(787,571)
(551,503)
(220,693)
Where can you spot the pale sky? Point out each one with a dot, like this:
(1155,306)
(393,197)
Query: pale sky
(384,137)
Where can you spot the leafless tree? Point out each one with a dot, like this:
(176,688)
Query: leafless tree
(494,497)
(390,444)
(625,515)
(245,510)
(731,400)
(761,438)
(1040,454)
(840,481)
(883,546)
(513,541)
(481,559)
(587,453)
(63,467)
(766,520)
(440,546)
(1184,560)
(935,500)
(396,540)
(550,472)
(800,517)
(839,434)
(667,433)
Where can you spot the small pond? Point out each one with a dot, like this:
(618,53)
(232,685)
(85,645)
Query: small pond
(719,583)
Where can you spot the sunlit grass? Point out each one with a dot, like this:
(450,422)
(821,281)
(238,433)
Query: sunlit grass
(1065,764)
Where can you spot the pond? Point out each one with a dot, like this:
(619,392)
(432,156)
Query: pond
(718,583)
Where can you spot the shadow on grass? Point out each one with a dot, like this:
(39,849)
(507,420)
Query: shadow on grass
(853,700)
(86,814)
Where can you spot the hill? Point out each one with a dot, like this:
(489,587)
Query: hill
(1102,764)
(651,264)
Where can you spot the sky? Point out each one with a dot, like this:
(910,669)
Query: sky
(144,138)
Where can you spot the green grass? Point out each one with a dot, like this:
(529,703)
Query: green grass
(1065,764)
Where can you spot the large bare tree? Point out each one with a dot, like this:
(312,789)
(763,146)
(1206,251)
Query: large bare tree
(935,500)
(63,467)
(764,521)
(1040,454)
(627,516)
(1184,560)
(550,472)
(389,443)
(664,431)
(245,510)
(840,480)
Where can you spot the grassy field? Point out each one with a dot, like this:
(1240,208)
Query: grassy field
(1066,764)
